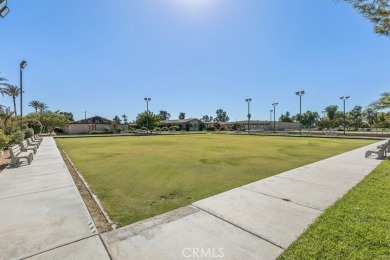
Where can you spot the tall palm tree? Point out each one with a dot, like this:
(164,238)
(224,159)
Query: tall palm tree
(35,104)
(12,91)
(3,81)
(42,106)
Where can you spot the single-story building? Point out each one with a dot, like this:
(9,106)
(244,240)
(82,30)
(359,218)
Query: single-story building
(257,125)
(191,124)
(92,124)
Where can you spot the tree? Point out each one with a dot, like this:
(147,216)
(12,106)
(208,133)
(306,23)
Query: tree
(182,115)
(377,11)
(51,120)
(68,115)
(221,116)
(124,119)
(369,115)
(356,115)
(207,118)
(382,103)
(12,91)
(285,118)
(3,81)
(117,120)
(148,119)
(35,104)
(42,107)
(331,112)
(164,115)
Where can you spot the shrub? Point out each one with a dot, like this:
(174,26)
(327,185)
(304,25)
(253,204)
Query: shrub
(174,128)
(3,140)
(58,130)
(222,128)
(36,126)
(144,128)
(16,137)
(118,129)
(210,128)
(28,132)
(157,129)
(106,129)
(165,128)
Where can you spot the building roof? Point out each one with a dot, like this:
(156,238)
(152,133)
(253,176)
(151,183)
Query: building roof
(94,120)
(179,121)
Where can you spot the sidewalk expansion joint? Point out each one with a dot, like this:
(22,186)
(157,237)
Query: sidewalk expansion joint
(36,192)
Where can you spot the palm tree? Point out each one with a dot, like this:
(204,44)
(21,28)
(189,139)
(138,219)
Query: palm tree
(42,106)
(34,104)
(2,81)
(12,91)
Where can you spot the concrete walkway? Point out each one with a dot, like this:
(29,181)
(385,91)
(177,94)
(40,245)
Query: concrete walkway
(42,215)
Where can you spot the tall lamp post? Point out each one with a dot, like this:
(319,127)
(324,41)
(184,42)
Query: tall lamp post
(274,104)
(300,94)
(85,115)
(3,8)
(270,115)
(248,100)
(147,99)
(344,99)
(23,64)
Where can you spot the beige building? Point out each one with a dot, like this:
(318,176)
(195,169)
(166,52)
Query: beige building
(92,124)
(191,124)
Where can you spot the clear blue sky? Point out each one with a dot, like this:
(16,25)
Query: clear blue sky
(192,56)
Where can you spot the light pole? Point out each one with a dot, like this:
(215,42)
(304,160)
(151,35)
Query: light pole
(274,104)
(85,115)
(300,93)
(147,99)
(270,115)
(23,64)
(248,100)
(3,8)
(344,99)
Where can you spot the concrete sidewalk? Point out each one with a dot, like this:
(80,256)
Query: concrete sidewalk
(256,221)
(42,214)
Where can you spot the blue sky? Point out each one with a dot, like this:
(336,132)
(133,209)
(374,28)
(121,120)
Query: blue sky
(192,56)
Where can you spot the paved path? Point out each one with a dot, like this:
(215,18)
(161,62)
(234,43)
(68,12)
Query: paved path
(42,215)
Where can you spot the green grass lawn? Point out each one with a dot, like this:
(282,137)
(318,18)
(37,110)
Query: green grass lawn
(356,227)
(140,177)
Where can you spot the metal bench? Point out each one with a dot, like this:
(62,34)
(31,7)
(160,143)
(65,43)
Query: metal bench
(17,154)
(25,147)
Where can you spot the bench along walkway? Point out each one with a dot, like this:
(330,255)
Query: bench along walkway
(255,221)
(42,213)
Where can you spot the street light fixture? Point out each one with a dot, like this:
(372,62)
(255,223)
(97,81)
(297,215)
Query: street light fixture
(274,104)
(3,8)
(300,94)
(23,64)
(248,100)
(344,99)
(147,99)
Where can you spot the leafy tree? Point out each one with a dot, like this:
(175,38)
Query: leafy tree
(382,103)
(285,118)
(221,116)
(356,115)
(331,112)
(51,120)
(148,119)
(164,115)
(12,91)
(35,104)
(182,115)
(377,11)
(68,115)
(207,118)
(116,120)
(124,119)
(308,120)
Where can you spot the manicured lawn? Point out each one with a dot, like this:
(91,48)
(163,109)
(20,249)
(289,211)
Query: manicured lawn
(140,177)
(356,227)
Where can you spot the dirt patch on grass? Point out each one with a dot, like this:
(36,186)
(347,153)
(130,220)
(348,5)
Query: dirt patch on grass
(102,224)
(5,160)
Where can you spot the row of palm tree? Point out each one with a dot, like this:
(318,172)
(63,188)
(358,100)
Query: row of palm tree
(14,92)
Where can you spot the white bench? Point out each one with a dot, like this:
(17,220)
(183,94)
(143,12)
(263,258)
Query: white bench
(17,154)
(380,150)
(25,147)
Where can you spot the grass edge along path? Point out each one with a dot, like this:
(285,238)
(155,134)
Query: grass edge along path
(356,227)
